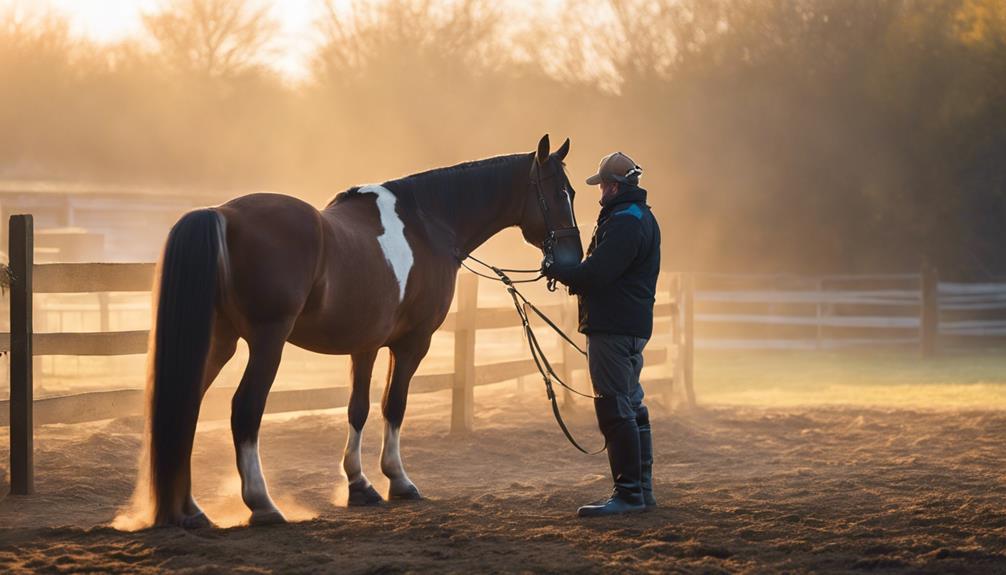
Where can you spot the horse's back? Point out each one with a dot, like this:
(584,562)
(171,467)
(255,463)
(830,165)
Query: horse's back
(356,299)
(327,269)
(275,243)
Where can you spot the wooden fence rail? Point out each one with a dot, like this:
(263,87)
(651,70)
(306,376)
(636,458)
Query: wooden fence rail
(824,312)
(465,322)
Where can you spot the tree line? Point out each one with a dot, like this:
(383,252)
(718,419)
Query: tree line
(776,135)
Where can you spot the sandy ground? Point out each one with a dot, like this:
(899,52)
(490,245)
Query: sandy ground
(741,489)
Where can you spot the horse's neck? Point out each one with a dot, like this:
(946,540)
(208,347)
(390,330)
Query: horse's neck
(472,216)
(479,229)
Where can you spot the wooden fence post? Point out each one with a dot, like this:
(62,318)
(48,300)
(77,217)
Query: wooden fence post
(819,287)
(21,246)
(463,391)
(677,343)
(689,359)
(104,299)
(929,314)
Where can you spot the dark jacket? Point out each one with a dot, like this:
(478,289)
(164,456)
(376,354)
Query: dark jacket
(617,281)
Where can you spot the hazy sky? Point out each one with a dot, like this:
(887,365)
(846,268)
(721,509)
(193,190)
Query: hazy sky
(111,20)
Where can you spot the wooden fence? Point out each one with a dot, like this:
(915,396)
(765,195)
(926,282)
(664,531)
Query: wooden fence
(972,310)
(827,312)
(22,344)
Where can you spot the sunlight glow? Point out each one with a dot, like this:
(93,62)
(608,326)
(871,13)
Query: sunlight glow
(110,21)
(103,20)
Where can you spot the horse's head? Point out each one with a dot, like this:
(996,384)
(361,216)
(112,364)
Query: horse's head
(548,221)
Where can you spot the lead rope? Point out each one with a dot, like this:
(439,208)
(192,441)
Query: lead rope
(501,272)
(521,305)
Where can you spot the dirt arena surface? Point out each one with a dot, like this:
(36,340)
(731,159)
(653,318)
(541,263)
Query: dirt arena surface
(741,489)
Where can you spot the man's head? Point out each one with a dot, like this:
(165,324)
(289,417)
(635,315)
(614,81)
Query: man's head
(615,169)
(608,190)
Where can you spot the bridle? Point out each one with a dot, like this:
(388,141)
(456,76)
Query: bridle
(552,236)
(552,233)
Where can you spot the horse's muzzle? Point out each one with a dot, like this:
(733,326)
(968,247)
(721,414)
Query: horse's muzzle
(564,247)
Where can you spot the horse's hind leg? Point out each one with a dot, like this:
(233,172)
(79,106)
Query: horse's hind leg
(361,492)
(406,356)
(265,349)
(223,343)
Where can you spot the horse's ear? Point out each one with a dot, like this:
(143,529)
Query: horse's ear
(542,154)
(563,150)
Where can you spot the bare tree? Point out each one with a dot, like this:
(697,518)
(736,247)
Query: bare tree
(217,38)
(612,42)
(400,34)
(32,34)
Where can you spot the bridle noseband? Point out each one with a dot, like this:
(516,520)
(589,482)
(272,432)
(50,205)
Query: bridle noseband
(552,234)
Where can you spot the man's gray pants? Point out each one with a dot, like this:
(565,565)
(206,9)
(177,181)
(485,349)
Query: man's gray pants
(615,362)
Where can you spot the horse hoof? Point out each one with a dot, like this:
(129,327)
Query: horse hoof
(364,496)
(266,517)
(406,493)
(197,521)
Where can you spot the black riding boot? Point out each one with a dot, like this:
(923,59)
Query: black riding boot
(623,457)
(646,464)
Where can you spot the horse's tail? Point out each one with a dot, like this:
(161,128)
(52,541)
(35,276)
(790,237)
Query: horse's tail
(195,256)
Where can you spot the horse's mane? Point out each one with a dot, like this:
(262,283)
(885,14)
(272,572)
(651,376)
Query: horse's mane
(436,186)
(486,169)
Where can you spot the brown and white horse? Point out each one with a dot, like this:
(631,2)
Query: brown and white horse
(375,268)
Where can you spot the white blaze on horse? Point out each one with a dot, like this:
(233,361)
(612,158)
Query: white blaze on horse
(375,268)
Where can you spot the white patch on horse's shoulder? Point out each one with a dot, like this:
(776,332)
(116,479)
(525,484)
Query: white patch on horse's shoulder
(393,243)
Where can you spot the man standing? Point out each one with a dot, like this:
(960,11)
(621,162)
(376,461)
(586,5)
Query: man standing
(616,284)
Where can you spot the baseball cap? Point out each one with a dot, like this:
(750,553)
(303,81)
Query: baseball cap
(615,167)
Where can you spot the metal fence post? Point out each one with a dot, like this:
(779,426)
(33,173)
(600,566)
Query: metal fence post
(929,314)
(21,245)
(463,390)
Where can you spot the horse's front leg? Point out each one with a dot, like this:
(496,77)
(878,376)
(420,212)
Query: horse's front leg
(361,492)
(406,356)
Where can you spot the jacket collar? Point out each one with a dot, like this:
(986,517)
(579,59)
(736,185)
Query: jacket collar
(627,193)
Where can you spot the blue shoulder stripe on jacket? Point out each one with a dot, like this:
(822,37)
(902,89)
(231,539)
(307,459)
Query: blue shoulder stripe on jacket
(633,210)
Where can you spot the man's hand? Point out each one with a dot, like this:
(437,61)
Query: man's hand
(551,271)
(547,269)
